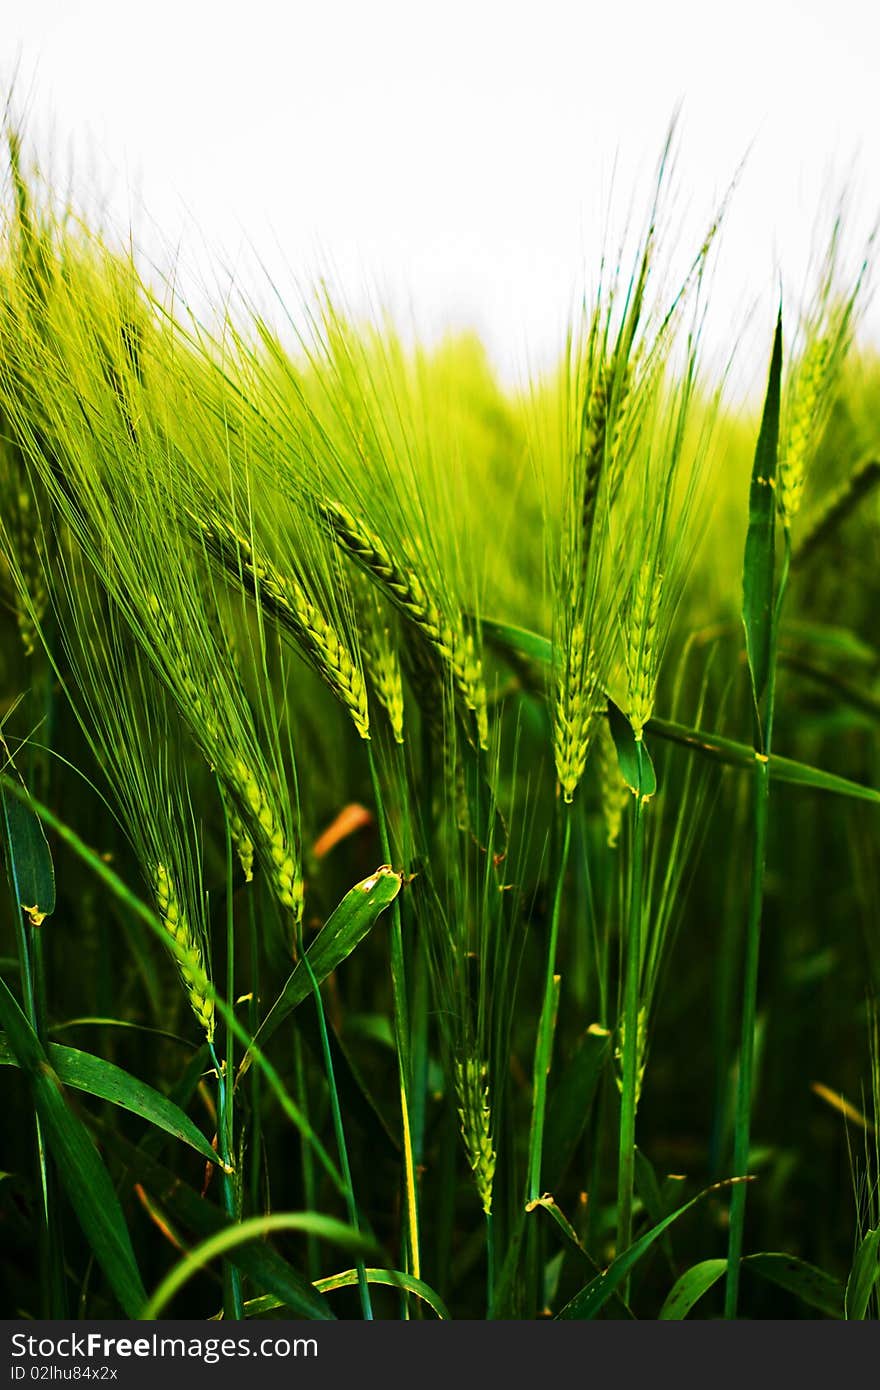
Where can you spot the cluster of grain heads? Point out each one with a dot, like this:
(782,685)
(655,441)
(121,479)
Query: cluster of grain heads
(174,561)
(119,491)
(126,720)
(286,599)
(606,401)
(445,636)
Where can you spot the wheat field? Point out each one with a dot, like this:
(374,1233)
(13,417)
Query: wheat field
(440,820)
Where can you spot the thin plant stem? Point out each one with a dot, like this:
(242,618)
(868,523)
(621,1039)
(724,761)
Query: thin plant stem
(34,1006)
(233,1306)
(629,1080)
(342,1147)
(310,1187)
(401,1037)
(256,1145)
(490,1263)
(544,1041)
(233,1302)
(745,1078)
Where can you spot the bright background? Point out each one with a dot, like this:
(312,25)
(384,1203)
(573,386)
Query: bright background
(456,160)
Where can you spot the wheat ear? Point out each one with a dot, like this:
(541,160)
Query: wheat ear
(403,586)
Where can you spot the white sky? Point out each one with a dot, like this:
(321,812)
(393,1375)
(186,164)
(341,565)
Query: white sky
(457,157)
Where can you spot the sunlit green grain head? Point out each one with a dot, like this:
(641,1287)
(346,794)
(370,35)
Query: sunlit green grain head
(814,376)
(372,430)
(601,420)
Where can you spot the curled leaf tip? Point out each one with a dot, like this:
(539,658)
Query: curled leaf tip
(367,885)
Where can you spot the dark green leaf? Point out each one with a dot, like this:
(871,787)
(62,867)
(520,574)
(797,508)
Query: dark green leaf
(648,1187)
(636,767)
(342,932)
(235,1235)
(93,1075)
(29,850)
(549,1204)
(570,1101)
(759,560)
(518,640)
(78,1162)
(863,1277)
(836,508)
(723,750)
(813,1286)
(689,1289)
(839,642)
(120,891)
(392,1279)
(726,750)
(201,1218)
(593,1296)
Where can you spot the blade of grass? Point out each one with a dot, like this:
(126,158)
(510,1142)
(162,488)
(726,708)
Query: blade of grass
(106,1081)
(813,1286)
(390,1278)
(255,1228)
(192,1211)
(690,1288)
(591,1299)
(343,931)
(864,1276)
(79,1165)
(119,889)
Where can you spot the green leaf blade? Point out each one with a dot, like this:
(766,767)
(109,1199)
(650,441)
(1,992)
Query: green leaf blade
(202,1218)
(105,1081)
(32,858)
(687,1291)
(571,1100)
(865,1274)
(636,767)
(759,561)
(343,931)
(80,1166)
(812,1285)
(591,1299)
